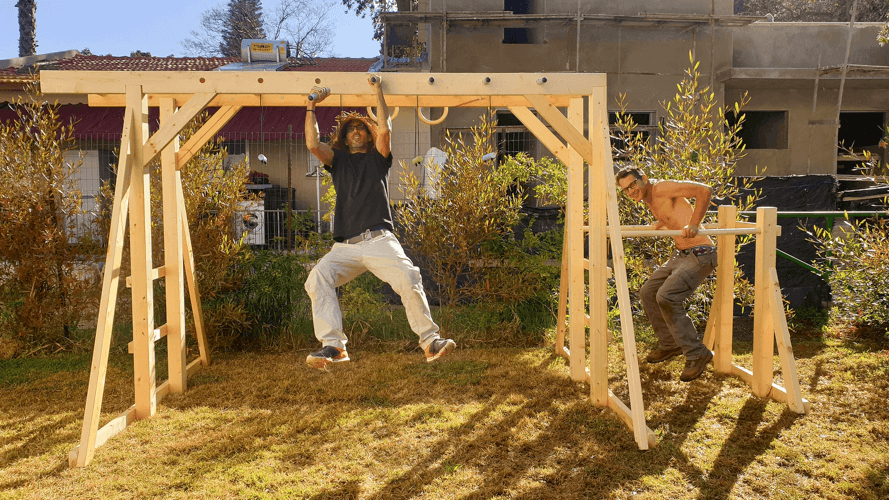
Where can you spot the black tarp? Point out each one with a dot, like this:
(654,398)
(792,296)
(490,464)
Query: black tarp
(797,193)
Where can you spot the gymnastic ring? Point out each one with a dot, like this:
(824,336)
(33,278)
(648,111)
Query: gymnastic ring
(427,121)
(392,116)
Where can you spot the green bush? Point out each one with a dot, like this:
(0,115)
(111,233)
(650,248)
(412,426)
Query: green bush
(465,234)
(856,265)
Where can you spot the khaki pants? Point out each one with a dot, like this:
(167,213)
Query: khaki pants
(384,257)
(664,294)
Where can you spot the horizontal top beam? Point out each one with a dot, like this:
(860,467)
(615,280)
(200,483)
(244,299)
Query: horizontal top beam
(335,100)
(301,82)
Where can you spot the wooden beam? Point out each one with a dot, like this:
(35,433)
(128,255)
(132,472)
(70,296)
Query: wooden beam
(107,303)
(763,329)
(192,281)
(599,175)
(557,121)
(209,129)
(785,351)
(725,293)
(173,265)
(576,276)
(299,83)
(334,101)
(619,265)
(170,128)
(543,134)
(141,260)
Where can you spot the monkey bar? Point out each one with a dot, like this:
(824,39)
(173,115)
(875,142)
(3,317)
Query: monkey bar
(183,95)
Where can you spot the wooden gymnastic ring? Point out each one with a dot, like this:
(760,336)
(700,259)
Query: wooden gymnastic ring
(392,116)
(444,114)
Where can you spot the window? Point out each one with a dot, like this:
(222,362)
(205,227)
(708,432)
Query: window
(762,129)
(859,131)
(512,137)
(517,35)
(646,127)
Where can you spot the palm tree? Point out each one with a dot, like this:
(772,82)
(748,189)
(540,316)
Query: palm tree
(27,27)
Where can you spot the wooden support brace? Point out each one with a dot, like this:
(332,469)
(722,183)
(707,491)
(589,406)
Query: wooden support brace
(782,335)
(157,272)
(108,301)
(213,125)
(543,134)
(159,333)
(171,127)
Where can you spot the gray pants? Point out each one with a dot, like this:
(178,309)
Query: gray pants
(664,294)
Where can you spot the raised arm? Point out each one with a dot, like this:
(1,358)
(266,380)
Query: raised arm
(313,137)
(384,123)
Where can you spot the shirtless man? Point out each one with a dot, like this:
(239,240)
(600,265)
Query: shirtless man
(664,293)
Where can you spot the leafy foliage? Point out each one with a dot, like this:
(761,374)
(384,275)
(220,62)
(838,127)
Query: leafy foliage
(696,141)
(45,284)
(304,23)
(856,264)
(211,195)
(465,232)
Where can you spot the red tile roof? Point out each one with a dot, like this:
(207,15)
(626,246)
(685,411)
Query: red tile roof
(116,63)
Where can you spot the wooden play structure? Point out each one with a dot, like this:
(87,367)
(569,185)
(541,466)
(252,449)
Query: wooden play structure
(182,95)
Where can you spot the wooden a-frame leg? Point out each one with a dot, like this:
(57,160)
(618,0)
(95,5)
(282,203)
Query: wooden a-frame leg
(110,283)
(191,280)
(788,363)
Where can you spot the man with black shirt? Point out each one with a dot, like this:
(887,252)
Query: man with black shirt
(359,158)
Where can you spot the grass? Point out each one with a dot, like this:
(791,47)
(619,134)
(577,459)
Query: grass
(482,423)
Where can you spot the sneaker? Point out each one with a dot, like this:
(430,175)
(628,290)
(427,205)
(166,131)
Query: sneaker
(438,348)
(327,355)
(658,355)
(695,367)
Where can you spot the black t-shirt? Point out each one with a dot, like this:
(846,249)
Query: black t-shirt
(361,181)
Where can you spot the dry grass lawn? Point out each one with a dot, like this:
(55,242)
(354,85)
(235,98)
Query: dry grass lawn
(480,424)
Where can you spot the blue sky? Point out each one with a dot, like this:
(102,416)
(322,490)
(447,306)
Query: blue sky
(118,27)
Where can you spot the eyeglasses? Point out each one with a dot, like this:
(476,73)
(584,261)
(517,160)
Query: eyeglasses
(352,128)
(633,186)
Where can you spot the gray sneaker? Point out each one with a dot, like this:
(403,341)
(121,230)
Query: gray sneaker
(327,355)
(438,348)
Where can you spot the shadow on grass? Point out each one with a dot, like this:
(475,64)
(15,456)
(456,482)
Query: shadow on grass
(481,423)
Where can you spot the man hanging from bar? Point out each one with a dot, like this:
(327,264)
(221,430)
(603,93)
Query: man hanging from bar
(665,291)
(358,158)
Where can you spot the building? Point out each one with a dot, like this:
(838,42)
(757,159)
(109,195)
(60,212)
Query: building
(811,85)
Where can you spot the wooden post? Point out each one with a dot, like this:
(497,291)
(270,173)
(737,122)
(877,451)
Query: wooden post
(140,260)
(763,329)
(723,300)
(173,280)
(576,276)
(600,173)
